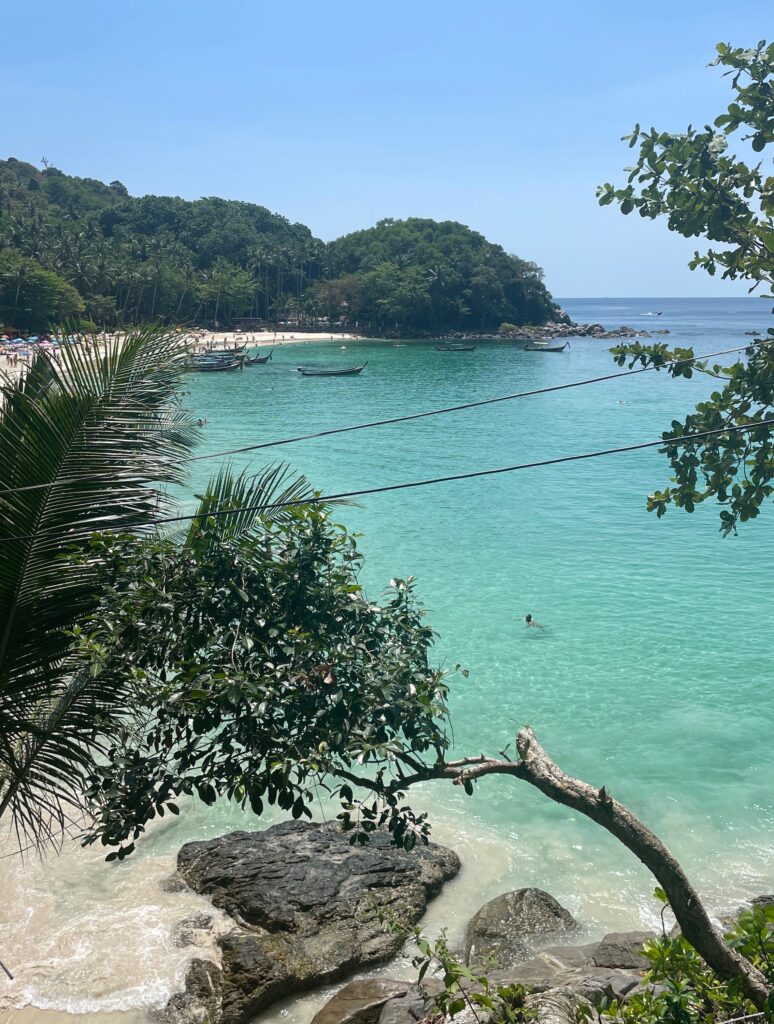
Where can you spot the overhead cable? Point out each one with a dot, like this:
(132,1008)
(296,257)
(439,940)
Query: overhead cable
(322,499)
(409,416)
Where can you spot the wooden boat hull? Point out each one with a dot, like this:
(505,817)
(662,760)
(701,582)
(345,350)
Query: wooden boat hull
(456,348)
(257,360)
(348,371)
(217,367)
(546,348)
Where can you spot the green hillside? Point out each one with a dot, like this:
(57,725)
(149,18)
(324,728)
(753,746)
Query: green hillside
(78,247)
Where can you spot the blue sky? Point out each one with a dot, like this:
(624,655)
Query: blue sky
(501,114)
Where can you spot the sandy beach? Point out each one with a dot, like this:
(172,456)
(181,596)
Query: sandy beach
(211,340)
(200,341)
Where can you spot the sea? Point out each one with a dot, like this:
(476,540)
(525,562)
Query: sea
(652,677)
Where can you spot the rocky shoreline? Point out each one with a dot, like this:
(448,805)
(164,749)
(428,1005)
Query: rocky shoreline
(562,329)
(308,909)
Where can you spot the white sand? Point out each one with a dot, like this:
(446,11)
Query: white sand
(207,341)
(262,339)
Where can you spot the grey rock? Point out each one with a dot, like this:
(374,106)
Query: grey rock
(622,949)
(600,983)
(307,905)
(199,1002)
(762,901)
(650,988)
(510,927)
(412,1007)
(361,1002)
(537,974)
(559,1006)
(570,956)
(192,931)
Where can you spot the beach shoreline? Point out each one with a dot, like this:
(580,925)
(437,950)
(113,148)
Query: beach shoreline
(198,341)
(213,340)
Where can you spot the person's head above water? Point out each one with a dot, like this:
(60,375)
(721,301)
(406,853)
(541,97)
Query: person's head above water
(529,618)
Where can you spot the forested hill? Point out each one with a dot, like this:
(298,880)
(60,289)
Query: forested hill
(78,247)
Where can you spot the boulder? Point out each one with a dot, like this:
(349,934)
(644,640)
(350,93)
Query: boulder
(762,901)
(306,905)
(511,927)
(414,1006)
(622,949)
(361,1002)
(559,1006)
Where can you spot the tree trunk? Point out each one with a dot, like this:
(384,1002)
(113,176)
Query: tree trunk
(537,768)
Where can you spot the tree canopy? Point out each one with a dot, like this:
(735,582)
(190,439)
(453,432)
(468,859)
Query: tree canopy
(137,259)
(717,183)
(422,273)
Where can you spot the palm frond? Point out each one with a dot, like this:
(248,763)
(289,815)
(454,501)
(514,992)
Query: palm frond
(105,435)
(272,495)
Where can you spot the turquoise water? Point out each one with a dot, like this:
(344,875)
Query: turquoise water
(653,677)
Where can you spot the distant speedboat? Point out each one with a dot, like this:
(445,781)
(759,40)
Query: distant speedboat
(348,371)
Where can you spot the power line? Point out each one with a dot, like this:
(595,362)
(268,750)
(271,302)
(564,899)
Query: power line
(411,416)
(472,405)
(324,498)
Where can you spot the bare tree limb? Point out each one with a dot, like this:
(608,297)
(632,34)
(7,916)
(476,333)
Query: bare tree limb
(537,768)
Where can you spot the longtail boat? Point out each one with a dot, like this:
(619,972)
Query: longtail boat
(217,365)
(257,360)
(544,346)
(456,348)
(348,371)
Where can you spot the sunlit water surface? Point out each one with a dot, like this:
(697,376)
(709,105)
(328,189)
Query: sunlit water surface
(652,677)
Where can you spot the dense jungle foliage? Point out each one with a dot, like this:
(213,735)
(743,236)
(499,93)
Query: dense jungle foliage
(78,247)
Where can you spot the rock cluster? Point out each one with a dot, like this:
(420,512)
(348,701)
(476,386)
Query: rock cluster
(306,907)
(561,329)
(561,977)
(307,910)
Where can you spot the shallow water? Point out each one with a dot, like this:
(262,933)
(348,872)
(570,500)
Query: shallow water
(653,676)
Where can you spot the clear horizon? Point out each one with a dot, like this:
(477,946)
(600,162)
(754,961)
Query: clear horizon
(502,118)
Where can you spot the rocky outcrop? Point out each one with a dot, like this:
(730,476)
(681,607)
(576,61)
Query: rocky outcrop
(306,906)
(554,329)
(511,927)
(561,978)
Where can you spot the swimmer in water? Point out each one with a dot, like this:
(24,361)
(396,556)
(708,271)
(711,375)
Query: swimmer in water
(531,622)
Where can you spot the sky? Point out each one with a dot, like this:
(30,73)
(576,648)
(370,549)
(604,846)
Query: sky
(501,114)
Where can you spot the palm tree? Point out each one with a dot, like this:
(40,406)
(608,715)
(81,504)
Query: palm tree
(84,446)
(257,259)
